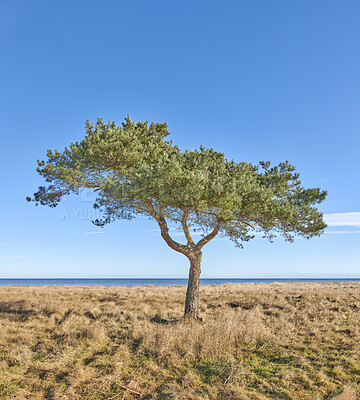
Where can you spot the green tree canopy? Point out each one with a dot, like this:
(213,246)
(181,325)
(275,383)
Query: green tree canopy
(135,170)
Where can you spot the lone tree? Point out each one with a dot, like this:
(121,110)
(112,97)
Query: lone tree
(135,171)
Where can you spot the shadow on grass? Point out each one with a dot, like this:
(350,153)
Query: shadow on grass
(157,319)
(16,310)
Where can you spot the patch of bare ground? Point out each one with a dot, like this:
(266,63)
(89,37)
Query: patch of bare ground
(256,341)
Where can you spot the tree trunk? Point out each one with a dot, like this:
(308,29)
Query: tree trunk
(192,293)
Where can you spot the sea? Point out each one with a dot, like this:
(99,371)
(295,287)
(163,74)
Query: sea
(156,281)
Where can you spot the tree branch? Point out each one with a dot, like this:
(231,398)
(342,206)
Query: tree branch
(151,208)
(201,243)
(186,228)
(170,242)
(67,191)
(159,217)
(246,223)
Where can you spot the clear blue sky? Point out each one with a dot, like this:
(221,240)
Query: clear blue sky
(257,80)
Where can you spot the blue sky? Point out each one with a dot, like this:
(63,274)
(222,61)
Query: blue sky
(257,80)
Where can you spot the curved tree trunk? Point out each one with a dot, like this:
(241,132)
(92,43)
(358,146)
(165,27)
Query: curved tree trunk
(192,293)
(193,252)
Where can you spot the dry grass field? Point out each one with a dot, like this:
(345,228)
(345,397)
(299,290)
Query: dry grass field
(256,341)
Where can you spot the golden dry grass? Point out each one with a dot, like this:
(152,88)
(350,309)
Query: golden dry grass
(257,341)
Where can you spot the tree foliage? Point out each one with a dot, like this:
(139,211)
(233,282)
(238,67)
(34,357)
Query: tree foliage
(135,170)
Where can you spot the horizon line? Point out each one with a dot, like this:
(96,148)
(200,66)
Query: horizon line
(166,278)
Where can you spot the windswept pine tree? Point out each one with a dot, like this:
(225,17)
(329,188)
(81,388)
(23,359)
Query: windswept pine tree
(134,170)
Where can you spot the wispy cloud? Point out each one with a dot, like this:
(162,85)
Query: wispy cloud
(108,246)
(343,219)
(341,232)
(15,256)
